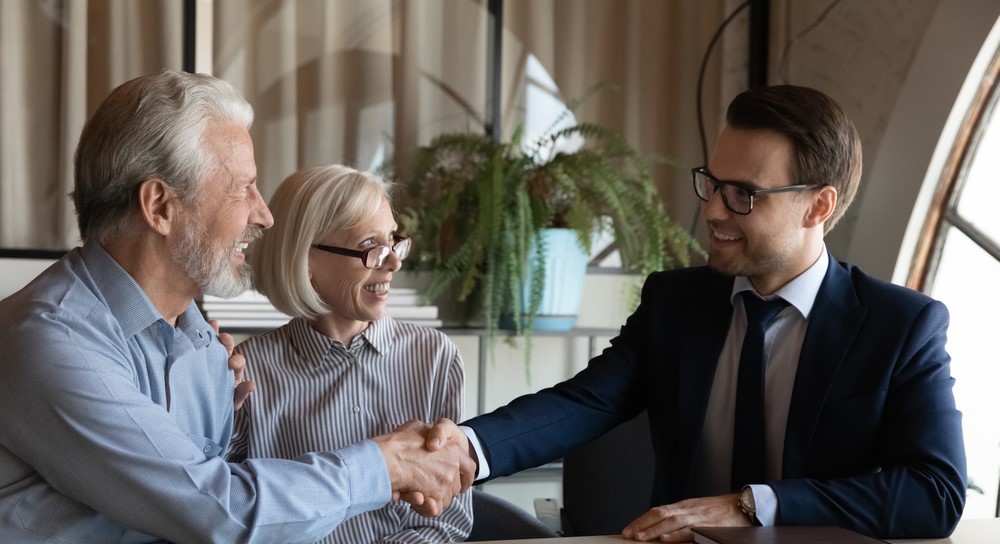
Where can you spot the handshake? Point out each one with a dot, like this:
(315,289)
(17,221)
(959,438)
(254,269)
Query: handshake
(428,466)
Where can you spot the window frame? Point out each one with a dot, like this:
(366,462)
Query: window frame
(943,211)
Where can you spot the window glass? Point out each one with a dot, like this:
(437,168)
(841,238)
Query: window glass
(965,282)
(981,193)
(963,270)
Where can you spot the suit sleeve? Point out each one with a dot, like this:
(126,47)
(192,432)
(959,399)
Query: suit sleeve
(540,427)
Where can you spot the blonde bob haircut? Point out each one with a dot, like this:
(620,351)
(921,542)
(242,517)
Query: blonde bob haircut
(310,205)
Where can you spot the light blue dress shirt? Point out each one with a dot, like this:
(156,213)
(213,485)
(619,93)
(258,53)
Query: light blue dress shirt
(112,423)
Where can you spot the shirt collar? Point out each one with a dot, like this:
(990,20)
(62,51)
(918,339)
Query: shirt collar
(800,292)
(315,346)
(380,334)
(126,300)
(129,303)
(192,323)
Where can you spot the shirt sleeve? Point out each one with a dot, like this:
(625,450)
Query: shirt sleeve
(133,464)
(482,463)
(766,503)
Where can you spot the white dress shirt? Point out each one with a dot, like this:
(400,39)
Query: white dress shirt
(782,346)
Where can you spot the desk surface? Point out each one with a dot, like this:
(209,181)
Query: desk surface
(970,531)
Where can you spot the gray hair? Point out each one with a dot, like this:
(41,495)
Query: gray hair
(151,127)
(308,206)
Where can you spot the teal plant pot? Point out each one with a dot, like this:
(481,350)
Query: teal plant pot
(565,271)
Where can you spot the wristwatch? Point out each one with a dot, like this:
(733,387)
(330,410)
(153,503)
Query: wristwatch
(747,506)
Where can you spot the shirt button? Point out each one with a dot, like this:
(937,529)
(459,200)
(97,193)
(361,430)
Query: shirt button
(357,409)
(207,449)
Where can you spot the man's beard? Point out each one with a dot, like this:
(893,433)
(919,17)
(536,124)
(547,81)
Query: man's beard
(212,267)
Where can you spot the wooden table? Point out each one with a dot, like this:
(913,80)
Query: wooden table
(969,531)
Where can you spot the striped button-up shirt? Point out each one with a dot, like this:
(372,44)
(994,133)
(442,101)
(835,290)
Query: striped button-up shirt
(313,393)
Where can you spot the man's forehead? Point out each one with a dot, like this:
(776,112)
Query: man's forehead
(228,136)
(233,149)
(745,154)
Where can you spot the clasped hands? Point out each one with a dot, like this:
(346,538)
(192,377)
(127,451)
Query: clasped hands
(428,466)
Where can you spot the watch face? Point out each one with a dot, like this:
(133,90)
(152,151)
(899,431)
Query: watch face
(746,500)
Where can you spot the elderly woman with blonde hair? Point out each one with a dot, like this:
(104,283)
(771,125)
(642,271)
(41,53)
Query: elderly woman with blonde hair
(342,369)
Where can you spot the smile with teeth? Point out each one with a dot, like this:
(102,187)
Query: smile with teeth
(377,288)
(724,237)
(240,246)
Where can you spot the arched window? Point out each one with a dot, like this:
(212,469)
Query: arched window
(957,261)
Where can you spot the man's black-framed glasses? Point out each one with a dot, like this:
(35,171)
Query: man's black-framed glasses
(373,257)
(737,197)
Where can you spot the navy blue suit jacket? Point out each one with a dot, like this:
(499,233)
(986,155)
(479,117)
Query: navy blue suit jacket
(873,439)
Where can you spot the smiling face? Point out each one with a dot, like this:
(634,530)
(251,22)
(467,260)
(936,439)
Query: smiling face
(228,214)
(355,295)
(780,238)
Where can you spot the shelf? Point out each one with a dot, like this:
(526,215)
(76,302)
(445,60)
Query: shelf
(590,333)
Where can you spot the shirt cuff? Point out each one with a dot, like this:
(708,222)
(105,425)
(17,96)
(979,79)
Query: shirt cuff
(765,501)
(368,477)
(482,466)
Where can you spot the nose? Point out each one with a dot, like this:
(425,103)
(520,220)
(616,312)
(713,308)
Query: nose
(714,207)
(392,262)
(259,213)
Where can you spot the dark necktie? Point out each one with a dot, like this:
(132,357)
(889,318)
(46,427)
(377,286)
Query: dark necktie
(748,429)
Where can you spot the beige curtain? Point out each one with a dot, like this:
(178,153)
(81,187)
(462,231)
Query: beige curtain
(349,82)
(60,58)
(352,82)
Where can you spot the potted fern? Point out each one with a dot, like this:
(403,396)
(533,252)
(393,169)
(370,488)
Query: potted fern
(481,213)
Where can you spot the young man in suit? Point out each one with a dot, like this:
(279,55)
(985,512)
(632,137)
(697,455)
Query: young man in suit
(855,423)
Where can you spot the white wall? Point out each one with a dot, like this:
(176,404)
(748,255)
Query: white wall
(899,172)
(15,273)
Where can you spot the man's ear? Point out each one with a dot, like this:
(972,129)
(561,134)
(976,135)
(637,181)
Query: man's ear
(824,201)
(157,206)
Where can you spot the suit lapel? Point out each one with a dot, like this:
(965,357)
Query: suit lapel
(834,322)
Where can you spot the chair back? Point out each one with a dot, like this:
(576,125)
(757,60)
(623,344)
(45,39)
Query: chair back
(608,482)
(494,518)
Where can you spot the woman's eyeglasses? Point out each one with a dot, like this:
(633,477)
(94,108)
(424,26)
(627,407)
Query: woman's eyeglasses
(373,257)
